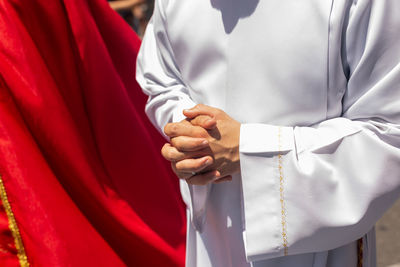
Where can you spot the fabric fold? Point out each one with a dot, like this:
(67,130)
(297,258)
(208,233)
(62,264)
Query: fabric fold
(78,154)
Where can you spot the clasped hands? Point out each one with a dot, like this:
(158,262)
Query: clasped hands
(203,148)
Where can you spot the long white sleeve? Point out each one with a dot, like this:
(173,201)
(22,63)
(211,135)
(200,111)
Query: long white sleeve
(309,189)
(159,76)
(160,79)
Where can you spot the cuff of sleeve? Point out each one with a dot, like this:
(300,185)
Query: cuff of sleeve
(184,103)
(264,138)
(262,149)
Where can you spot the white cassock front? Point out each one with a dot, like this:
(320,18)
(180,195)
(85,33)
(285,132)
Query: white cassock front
(316,86)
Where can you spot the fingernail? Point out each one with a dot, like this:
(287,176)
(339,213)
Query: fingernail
(207,162)
(205,142)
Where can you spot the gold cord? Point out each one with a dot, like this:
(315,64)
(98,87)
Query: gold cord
(360,252)
(282,196)
(23,259)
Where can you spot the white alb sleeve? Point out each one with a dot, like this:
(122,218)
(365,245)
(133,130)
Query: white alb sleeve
(309,189)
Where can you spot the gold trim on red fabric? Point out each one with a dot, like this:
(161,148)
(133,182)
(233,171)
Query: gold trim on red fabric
(23,259)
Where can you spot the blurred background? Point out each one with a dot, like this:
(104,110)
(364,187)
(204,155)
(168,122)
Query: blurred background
(137,14)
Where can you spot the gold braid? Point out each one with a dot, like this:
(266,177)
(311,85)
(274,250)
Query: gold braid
(360,252)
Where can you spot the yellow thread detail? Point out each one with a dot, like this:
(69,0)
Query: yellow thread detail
(23,259)
(282,196)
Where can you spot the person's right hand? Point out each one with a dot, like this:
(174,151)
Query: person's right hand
(188,150)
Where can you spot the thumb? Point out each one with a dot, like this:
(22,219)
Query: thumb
(199,109)
(204,121)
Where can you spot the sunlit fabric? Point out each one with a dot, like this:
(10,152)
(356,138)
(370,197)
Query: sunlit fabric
(316,86)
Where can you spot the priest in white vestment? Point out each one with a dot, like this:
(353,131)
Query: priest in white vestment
(314,86)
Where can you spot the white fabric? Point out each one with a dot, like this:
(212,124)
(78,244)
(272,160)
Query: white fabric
(316,86)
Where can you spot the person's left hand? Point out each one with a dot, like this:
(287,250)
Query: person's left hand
(223,140)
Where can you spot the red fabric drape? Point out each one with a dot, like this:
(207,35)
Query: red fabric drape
(79,160)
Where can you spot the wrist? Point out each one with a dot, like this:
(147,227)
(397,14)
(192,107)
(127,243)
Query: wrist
(234,152)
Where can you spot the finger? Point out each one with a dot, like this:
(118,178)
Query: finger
(186,143)
(204,178)
(204,121)
(170,153)
(181,175)
(223,179)
(183,128)
(200,109)
(193,165)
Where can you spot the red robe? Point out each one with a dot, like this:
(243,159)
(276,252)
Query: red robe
(79,162)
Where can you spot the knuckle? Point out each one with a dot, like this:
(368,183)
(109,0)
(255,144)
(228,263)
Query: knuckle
(205,118)
(173,128)
(180,156)
(204,133)
(167,128)
(179,166)
(170,154)
(198,131)
(198,121)
(194,142)
(164,151)
(176,143)
(173,141)
(195,121)
(199,143)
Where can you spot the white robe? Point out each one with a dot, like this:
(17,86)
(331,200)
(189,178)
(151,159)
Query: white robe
(316,86)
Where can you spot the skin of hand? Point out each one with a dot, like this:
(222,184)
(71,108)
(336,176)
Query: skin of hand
(206,143)
(125,4)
